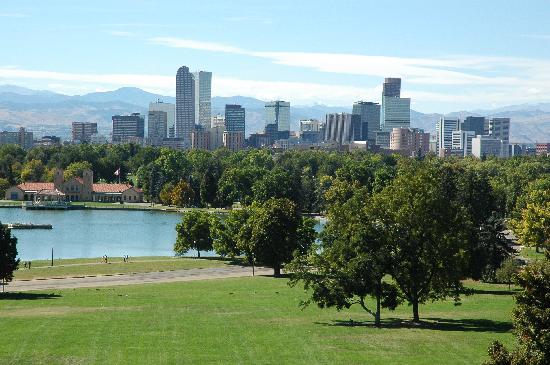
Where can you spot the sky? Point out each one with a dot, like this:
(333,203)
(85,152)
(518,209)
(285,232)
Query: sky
(459,55)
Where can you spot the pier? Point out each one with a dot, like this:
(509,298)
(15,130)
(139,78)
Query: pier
(27,226)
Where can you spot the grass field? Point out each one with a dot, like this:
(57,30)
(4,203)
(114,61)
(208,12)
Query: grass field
(531,253)
(115,265)
(240,321)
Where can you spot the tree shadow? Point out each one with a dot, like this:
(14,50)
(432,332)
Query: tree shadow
(496,292)
(27,296)
(432,323)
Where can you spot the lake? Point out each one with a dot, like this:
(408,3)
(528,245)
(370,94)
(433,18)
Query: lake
(94,233)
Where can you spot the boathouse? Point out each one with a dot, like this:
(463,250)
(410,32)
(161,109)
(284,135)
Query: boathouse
(75,189)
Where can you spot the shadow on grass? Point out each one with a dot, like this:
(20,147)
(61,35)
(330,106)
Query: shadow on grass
(434,324)
(28,296)
(496,292)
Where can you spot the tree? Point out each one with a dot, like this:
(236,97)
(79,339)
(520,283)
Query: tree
(427,232)
(183,194)
(351,262)
(194,232)
(506,273)
(166,194)
(33,170)
(490,249)
(232,234)
(531,319)
(277,231)
(4,185)
(533,225)
(8,255)
(76,169)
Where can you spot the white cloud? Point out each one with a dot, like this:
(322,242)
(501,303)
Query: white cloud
(191,44)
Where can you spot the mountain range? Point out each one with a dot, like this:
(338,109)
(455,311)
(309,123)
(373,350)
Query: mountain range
(46,112)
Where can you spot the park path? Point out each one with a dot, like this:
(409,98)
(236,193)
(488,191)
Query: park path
(137,278)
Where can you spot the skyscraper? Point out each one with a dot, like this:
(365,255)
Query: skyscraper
(82,132)
(185,105)
(392,87)
(203,97)
(170,110)
(235,118)
(366,116)
(157,127)
(498,128)
(474,124)
(444,130)
(395,111)
(278,113)
(339,128)
(128,128)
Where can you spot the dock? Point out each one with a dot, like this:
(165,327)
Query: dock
(27,226)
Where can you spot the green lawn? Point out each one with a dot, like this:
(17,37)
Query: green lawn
(115,265)
(531,253)
(240,321)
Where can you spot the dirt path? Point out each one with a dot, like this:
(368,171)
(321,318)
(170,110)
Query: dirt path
(138,278)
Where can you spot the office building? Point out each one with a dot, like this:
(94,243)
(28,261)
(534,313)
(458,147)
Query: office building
(392,87)
(444,132)
(170,110)
(486,146)
(309,125)
(259,140)
(474,124)
(216,136)
(410,141)
(278,113)
(82,132)
(200,139)
(339,128)
(157,123)
(542,149)
(185,105)
(366,122)
(21,137)
(235,118)
(128,128)
(217,121)
(462,142)
(233,141)
(47,141)
(203,97)
(395,111)
(498,128)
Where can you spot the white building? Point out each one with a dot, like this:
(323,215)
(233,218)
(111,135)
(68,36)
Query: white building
(309,125)
(485,146)
(339,128)
(462,140)
(203,97)
(444,132)
(217,121)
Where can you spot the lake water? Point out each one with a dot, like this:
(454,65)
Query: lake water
(94,233)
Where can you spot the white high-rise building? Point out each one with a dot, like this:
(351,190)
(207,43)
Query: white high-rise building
(217,120)
(462,140)
(309,125)
(444,132)
(203,98)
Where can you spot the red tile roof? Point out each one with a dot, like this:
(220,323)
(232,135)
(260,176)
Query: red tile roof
(35,186)
(111,188)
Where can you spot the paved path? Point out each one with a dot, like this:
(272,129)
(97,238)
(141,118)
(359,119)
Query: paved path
(138,278)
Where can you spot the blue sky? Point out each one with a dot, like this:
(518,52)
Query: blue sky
(451,55)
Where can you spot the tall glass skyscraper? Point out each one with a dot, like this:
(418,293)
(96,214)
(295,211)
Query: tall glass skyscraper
(185,105)
(203,98)
(366,120)
(234,118)
(395,111)
(278,113)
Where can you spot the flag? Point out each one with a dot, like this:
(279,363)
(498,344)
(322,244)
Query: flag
(117,172)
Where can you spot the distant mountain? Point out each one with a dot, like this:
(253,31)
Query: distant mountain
(46,112)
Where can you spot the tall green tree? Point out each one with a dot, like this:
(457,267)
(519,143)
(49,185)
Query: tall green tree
(350,263)
(8,255)
(76,169)
(531,319)
(33,170)
(428,235)
(194,232)
(278,230)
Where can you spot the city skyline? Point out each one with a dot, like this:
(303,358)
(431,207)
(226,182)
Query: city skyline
(442,70)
